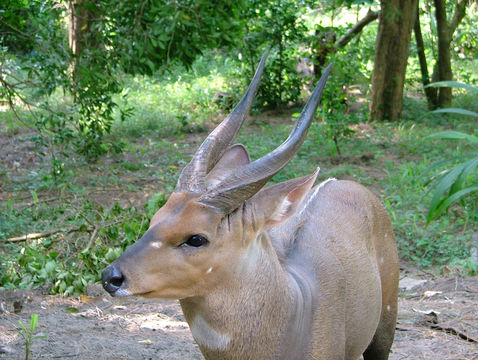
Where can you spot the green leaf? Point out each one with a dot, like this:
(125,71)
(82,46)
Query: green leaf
(456,111)
(72,309)
(454,84)
(469,167)
(25,330)
(453,135)
(440,163)
(33,322)
(35,196)
(445,183)
(434,213)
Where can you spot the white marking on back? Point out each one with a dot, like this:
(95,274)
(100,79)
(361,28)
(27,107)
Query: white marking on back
(156,244)
(209,270)
(206,336)
(389,308)
(316,191)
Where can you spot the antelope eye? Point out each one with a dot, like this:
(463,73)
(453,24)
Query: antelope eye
(196,241)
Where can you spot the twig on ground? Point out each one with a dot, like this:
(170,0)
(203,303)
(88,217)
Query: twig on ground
(28,205)
(34,236)
(92,237)
(451,330)
(99,227)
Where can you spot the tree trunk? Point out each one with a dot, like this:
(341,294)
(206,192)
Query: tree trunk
(445,34)
(444,55)
(80,18)
(430,92)
(77,20)
(396,21)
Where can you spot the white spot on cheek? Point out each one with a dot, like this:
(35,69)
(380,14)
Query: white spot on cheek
(389,308)
(209,270)
(156,244)
(208,337)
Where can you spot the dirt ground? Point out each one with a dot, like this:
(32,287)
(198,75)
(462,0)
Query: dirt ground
(438,319)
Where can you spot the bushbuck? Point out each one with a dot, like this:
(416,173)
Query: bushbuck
(288,271)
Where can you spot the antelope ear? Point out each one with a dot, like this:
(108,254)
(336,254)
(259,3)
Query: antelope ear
(277,203)
(234,157)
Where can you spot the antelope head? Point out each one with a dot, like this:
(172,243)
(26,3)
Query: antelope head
(201,235)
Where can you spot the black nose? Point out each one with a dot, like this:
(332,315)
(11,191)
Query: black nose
(112,279)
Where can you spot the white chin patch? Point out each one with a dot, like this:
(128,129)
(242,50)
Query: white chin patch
(122,292)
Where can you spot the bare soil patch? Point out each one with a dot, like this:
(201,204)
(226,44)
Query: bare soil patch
(438,319)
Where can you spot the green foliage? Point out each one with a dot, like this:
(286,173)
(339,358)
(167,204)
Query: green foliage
(177,101)
(441,243)
(276,26)
(138,38)
(460,180)
(338,120)
(27,333)
(334,112)
(34,79)
(454,84)
(102,235)
(16,22)
(147,35)
(456,182)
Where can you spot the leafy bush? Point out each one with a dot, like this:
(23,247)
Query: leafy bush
(279,28)
(68,269)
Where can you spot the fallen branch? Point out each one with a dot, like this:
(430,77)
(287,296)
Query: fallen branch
(451,330)
(92,237)
(43,201)
(84,228)
(34,236)
(406,328)
(98,228)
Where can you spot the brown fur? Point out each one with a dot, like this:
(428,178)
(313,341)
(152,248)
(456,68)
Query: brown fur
(321,283)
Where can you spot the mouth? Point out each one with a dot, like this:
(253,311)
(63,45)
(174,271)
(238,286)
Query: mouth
(124,292)
(147,294)
(121,293)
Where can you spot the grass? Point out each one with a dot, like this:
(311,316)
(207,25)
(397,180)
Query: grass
(101,208)
(176,102)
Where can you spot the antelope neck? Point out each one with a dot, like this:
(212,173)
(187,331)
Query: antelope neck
(237,316)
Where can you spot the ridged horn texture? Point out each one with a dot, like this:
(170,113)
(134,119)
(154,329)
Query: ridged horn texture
(193,176)
(248,180)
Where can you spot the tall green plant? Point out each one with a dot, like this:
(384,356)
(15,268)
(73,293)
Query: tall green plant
(460,180)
